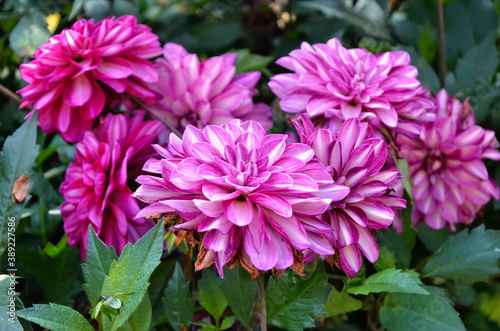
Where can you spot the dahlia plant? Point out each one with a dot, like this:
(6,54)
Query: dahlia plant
(354,158)
(76,71)
(331,84)
(254,198)
(450,180)
(167,137)
(205,92)
(96,190)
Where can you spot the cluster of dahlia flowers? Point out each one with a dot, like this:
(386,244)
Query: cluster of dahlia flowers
(242,195)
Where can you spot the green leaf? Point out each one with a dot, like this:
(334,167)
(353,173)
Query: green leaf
(10,304)
(433,239)
(240,292)
(386,259)
(398,245)
(141,318)
(227,322)
(367,16)
(29,33)
(247,61)
(293,302)
(466,24)
(16,159)
(96,266)
(76,8)
(431,312)
(211,295)
(479,64)
(54,269)
(131,272)
(403,169)
(340,303)
(466,257)
(427,43)
(178,304)
(56,318)
(388,280)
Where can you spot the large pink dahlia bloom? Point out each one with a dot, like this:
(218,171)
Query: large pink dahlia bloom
(332,84)
(354,158)
(206,92)
(95,189)
(252,197)
(450,181)
(73,72)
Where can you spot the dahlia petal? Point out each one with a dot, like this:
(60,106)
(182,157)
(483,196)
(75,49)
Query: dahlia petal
(295,103)
(209,208)
(215,240)
(379,214)
(220,223)
(367,244)
(350,260)
(218,192)
(240,213)
(79,91)
(115,68)
(273,202)
(258,247)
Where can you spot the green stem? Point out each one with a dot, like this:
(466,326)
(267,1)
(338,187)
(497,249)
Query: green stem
(115,322)
(99,319)
(261,297)
(442,43)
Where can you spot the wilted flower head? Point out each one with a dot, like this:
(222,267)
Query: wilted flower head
(74,71)
(450,181)
(206,92)
(332,84)
(95,189)
(354,158)
(254,198)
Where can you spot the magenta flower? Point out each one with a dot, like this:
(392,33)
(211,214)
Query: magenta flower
(450,181)
(206,92)
(332,84)
(74,71)
(354,158)
(95,189)
(254,198)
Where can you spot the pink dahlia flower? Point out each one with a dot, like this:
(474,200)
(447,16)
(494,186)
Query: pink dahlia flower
(206,92)
(95,189)
(354,158)
(450,181)
(332,84)
(254,198)
(73,72)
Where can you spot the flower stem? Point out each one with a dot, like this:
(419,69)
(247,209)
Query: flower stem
(442,43)
(261,302)
(152,112)
(9,94)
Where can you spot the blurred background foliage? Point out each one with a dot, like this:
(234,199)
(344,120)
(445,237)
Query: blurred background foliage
(459,52)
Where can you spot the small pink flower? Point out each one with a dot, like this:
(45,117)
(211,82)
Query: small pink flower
(95,189)
(75,70)
(332,84)
(450,181)
(354,158)
(206,92)
(253,197)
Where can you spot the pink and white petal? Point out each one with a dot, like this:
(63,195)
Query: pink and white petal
(240,213)
(272,202)
(367,244)
(350,260)
(209,208)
